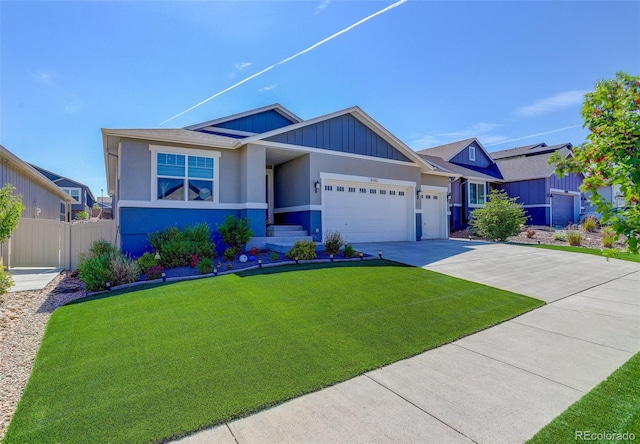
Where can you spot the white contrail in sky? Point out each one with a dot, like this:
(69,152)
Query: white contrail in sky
(534,135)
(288,59)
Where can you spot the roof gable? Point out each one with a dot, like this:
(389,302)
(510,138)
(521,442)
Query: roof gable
(248,123)
(344,133)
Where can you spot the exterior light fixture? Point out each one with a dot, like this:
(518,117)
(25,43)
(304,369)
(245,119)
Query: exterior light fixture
(157,256)
(380,254)
(108,285)
(260,263)
(164,276)
(418,193)
(361,254)
(215,271)
(296,259)
(316,185)
(331,257)
(538,241)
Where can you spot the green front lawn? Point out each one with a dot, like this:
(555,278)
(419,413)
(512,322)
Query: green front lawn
(155,363)
(612,407)
(620,255)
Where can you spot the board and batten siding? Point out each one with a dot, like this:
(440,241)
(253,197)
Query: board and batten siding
(570,182)
(528,192)
(34,195)
(462,158)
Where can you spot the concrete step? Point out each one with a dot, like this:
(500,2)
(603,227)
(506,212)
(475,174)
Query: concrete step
(261,242)
(285,227)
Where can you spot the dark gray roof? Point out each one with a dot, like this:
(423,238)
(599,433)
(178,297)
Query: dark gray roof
(442,165)
(528,167)
(449,150)
(528,150)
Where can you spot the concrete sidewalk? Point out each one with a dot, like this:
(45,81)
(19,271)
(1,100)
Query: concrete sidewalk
(500,385)
(32,278)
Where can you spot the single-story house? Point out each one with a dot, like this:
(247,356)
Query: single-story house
(81,196)
(339,172)
(476,169)
(547,198)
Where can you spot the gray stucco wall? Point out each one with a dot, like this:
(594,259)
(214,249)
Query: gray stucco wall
(435,181)
(326,163)
(135,174)
(289,183)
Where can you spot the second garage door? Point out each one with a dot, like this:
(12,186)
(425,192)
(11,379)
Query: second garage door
(562,209)
(365,212)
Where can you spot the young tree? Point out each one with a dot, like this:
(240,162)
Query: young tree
(611,154)
(500,218)
(10,210)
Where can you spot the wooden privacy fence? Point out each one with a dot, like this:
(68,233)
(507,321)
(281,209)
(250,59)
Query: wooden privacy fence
(51,243)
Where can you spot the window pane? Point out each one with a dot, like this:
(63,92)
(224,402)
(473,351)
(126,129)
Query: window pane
(481,194)
(170,189)
(473,196)
(201,190)
(170,165)
(201,167)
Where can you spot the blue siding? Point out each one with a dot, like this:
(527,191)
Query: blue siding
(418,226)
(136,223)
(462,158)
(456,219)
(528,192)
(258,123)
(570,182)
(345,134)
(310,220)
(537,215)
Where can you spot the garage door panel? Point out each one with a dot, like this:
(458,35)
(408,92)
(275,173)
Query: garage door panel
(562,209)
(366,216)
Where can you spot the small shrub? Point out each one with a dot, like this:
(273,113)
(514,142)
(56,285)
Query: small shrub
(177,248)
(6,281)
(303,250)
(205,266)
(560,236)
(590,224)
(333,242)
(608,237)
(348,251)
(100,247)
(146,261)
(94,271)
(500,218)
(273,255)
(229,254)
(574,238)
(235,232)
(124,270)
(531,233)
(154,272)
(81,215)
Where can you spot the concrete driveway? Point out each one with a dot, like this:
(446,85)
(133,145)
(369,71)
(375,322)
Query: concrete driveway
(500,385)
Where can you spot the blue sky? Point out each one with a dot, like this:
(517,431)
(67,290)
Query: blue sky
(508,72)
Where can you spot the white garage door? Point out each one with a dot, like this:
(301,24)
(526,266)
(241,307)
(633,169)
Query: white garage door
(432,215)
(365,212)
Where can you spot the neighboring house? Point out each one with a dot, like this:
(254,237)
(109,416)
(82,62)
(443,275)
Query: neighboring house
(40,197)
(102,208)
(547,198)
(339,172)
(476,170)
(81,197)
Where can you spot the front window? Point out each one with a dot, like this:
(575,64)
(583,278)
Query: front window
(184,177)
(74,193)
(476,193)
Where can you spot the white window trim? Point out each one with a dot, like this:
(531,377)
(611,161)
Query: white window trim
(472,153)
(475,205)
(73,200)
(155,149)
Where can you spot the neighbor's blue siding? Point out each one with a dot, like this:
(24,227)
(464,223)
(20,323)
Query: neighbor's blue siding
(527,192)
(343,133)
(258,123)
(137,223)
(310,221)
(570,182)
(462,158)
